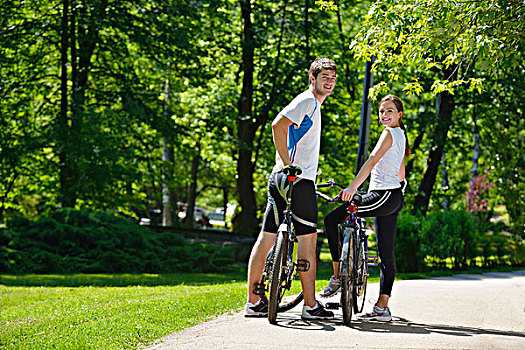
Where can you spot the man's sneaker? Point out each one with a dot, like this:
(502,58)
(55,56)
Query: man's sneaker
(259,309)
(316,313)
(377,314)
(333,287)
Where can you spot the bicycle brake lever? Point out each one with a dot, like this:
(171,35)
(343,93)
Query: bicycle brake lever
(337,199)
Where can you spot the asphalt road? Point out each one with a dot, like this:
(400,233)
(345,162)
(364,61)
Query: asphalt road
(460,312)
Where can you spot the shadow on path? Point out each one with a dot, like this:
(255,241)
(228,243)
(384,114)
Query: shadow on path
(398,325)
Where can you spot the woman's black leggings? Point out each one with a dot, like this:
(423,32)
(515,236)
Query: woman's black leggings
(384,206)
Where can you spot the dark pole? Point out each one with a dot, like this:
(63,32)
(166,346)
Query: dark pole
(365,118)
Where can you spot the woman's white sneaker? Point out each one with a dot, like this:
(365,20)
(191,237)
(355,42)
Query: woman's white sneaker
(377,314)
(333,287)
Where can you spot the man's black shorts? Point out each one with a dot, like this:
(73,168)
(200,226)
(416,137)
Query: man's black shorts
(304,204)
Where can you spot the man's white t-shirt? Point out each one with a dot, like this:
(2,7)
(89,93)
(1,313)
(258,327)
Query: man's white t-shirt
(304,135)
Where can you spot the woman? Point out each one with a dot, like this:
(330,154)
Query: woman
(383,201)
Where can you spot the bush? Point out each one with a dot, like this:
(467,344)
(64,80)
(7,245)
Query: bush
(450,234)
(85,241)
(409,255)
(453,235)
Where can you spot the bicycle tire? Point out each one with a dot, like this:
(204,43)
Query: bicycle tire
(291,304)
(361,277)
(279,258)
(347,283)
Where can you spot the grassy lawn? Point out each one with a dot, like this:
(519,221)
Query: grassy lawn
(109,311)
(124,311)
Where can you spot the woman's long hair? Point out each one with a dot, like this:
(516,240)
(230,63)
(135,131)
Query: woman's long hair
(399,105)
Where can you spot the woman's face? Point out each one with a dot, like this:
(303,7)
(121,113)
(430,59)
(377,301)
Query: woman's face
(389,115)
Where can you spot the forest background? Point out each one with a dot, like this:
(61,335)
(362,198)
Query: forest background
(156,109)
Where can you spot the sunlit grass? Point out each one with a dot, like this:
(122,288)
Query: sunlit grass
(114,311)
(105,316)
(122,311)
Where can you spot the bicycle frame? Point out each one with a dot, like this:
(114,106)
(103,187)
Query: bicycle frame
(353,266)
(281,265)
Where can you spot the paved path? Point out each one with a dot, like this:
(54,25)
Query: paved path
(460,312)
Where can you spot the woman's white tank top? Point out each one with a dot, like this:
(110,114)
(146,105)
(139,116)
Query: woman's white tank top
(384,174)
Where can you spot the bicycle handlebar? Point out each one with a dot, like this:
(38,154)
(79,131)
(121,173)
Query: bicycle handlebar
(328,199)
(331,183)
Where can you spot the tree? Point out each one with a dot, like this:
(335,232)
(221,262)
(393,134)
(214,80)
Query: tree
(461,41)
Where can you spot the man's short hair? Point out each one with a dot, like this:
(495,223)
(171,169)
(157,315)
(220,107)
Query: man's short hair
(319,64)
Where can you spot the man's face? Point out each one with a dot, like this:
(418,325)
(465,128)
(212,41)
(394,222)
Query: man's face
(325,82)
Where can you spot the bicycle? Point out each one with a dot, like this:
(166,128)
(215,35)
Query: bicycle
(282,265)
(354,261)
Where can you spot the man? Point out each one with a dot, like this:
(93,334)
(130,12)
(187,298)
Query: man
(297,136)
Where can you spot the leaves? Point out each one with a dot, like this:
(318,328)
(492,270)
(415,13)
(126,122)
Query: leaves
(429,33)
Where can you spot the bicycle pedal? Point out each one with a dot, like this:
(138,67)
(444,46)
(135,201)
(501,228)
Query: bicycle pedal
(302,265)
(259,289)
(332,306)
(373,260)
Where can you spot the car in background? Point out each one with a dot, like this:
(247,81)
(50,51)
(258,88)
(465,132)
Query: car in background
(216,219)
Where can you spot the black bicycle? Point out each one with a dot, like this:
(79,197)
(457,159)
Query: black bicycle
(282,265)
(354,262)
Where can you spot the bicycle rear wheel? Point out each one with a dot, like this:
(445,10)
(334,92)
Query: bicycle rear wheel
(292,303)
(361,275)
(347,283)
(277,275)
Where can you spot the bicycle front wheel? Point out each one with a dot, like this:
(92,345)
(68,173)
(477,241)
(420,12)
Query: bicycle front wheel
(347,283)
(277,275)
(361,276)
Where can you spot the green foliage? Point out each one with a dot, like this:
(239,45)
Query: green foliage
(436,35)
(450,234)
(146,73)
(453,236)
(410,256)
(88,241)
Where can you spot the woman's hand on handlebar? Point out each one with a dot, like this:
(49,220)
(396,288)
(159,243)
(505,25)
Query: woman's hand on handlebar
(347,194)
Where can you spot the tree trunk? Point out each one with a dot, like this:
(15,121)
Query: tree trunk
(168,156)
(225,203)
(192,193)
(246,129)
(345,49)
(66,194)
(70,149)
(446,106)
(413,148)
(444,183)
(475,152)
(168,216)
(307,29)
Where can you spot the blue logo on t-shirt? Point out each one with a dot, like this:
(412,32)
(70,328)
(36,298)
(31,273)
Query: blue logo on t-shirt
(294,135)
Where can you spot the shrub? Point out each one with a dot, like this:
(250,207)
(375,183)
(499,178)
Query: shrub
(450,234)
(69,241)
(409,255)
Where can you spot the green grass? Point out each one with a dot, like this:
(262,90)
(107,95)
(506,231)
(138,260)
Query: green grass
(109,311)
(114,311)
(120,311)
